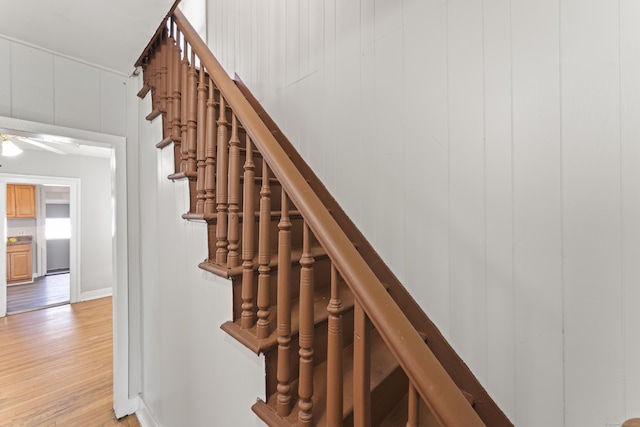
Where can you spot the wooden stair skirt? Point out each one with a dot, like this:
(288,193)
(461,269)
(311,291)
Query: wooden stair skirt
(338,331)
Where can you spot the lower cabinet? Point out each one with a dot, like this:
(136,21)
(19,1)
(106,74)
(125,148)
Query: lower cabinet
(19,268)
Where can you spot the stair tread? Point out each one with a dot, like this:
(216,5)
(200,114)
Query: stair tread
(212,217)
(321,299)
(317,252)
(383,364)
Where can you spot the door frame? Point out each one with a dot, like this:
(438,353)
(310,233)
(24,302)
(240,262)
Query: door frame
(125,402)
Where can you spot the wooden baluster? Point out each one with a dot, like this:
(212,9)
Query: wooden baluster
(161,69)
(334,354)
(164,77)
(248,218)
(305,384)
(233,257)
(210,154)
(361,368)
(222,187)
(169,51)
(201,141)
(192,116)
(283,404)
(413,416)
(264,255)
(176,128)
(184,89)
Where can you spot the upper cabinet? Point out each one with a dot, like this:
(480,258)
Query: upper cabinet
(21,201)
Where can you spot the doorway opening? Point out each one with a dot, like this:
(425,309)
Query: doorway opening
(117,259)
(48,275)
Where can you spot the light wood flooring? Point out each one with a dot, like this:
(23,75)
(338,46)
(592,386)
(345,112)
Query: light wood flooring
(56,367)
(45,291)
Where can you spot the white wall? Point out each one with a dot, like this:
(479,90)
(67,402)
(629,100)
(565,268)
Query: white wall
(41,86)
(489,150)
(192,372)
(45,87)
(95,209)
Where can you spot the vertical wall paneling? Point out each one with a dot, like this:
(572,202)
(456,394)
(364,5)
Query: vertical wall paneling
(316,35)
(537,214)
(630,135)
(45,87)
(426,157)
(244,31)
(388,169)
(149,166)
(5,77)
(32,87)
(229,33)
(178,297)
(591,211)
(466,185)
(76,94)
(329,106)
(369,201)
(277,56)
(303,39)
(256,29)
(113,93)
(316,126)
(261,49)
(499,203)
(347,97)
(292,38)
(214,30)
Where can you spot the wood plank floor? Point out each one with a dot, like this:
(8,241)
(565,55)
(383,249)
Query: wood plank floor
(45,291)
(56,367)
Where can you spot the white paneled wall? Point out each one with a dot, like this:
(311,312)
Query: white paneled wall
(491,152)
(187,360)
(41,86)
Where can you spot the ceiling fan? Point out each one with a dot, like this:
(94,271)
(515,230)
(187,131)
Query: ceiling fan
(11,144)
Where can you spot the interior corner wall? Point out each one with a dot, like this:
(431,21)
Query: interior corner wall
(489,152)
(95,207)
(192,372)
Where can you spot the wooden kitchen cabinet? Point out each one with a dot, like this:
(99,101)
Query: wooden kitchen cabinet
(19,268)
(21,201)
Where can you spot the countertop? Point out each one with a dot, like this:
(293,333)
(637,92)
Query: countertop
(19,240)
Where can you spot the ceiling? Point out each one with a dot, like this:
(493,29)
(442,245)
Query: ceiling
(111,34)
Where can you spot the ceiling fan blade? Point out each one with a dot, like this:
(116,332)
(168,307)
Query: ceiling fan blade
(40,145)
(53,140)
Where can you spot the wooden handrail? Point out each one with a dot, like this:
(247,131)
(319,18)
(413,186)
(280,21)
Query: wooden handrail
(430,379)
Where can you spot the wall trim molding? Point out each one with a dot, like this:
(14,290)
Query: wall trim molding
(145,418)
(95,294)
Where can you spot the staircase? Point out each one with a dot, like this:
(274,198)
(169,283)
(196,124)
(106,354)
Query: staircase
(344,343)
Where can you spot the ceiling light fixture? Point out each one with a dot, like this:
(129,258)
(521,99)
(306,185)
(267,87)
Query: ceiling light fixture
(9,149)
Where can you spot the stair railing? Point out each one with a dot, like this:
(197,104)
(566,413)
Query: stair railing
(190,87)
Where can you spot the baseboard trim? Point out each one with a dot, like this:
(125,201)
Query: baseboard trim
(144,416)
(98,293)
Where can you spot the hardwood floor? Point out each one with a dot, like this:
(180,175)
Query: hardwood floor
(56,367)
(45,291)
